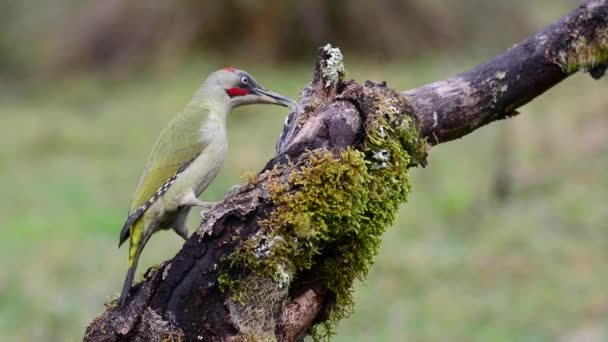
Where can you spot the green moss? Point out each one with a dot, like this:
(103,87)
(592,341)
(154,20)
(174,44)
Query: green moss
(332,209)
(228,283)
(582,54)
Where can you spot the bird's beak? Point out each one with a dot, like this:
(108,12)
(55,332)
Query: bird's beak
(275,98)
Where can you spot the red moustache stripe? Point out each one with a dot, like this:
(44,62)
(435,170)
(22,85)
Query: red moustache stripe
(237,91)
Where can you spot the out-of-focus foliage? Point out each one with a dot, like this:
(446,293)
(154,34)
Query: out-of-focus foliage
(118,34)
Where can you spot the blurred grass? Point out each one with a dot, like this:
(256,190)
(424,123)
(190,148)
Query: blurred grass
(458,265)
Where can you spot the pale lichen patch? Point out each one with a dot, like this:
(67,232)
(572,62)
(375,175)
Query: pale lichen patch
(333,71)
(542,39)
(166,271)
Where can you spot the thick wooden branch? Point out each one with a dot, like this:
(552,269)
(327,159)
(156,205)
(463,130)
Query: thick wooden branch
(181,299)
(452,108)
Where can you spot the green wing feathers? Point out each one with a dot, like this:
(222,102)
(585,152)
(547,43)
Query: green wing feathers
(177,145)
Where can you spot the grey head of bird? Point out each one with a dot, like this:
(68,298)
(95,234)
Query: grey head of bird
(234,88)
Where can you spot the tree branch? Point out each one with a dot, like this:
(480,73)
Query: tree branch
(452,108)
(194,296)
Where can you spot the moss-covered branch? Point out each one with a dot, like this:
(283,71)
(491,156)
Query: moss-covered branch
(276,259)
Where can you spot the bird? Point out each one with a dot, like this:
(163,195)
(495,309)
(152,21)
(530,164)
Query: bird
(185,159)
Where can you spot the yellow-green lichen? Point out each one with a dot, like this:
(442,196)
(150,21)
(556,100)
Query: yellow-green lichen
(331,210)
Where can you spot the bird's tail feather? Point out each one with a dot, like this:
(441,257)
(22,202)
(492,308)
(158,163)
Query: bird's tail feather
(133,218)
(138,241)
(128,282)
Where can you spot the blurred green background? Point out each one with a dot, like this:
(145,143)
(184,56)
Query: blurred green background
(505,234)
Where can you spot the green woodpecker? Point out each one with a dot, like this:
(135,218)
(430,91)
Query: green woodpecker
(185,159)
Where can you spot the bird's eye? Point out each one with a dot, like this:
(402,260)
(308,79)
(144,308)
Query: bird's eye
(245,80)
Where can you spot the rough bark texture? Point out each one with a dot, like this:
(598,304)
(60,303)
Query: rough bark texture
(181,299)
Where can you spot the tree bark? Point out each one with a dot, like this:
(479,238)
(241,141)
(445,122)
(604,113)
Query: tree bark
(181,299)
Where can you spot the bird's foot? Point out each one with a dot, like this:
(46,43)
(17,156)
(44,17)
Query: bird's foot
(191,200)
